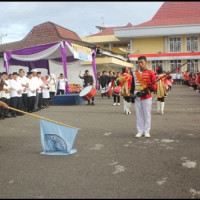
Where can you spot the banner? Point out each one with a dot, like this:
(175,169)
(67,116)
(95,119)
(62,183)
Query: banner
(57,139)
(82,53)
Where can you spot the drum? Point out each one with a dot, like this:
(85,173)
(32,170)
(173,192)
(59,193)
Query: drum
(87,93)
(117,90)
(107,90)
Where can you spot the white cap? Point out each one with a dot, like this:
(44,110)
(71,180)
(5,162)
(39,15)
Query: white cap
(34,70)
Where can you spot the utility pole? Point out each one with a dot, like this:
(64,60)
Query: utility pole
(1,36)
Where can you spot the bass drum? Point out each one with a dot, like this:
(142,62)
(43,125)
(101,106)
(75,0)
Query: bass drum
(87,93)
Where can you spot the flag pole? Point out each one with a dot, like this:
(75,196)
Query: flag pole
(37,116)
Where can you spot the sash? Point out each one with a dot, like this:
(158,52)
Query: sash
(140,80)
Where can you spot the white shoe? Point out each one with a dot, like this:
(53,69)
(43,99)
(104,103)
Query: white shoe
(114,104)
(118,104)
(139,134)
(147,135)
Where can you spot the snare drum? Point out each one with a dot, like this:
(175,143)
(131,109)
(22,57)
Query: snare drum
(87,93)
(117,90)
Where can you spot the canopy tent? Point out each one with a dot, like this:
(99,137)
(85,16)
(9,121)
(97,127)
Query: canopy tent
(38,56)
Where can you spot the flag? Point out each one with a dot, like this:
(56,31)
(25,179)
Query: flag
(57,139)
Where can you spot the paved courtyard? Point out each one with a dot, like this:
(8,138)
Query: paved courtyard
(110,162)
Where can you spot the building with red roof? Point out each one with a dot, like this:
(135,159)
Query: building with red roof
(169,39)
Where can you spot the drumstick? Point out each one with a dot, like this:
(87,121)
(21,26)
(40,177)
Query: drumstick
(37,116)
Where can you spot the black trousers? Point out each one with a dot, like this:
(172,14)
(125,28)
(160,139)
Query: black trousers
(13,104)
(4,112)
(92,100)
(161,99)
(24,102)
(31,103)
(116,97)
(52,94)
(45,102)
(59,92)
(40,98)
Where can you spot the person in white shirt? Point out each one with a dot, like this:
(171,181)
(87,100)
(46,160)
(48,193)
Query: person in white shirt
(24,82)
(41,87)
(52,83)
(36,80)
(45,92)
(61,84)
(15,95)
(31,92)
(5,94)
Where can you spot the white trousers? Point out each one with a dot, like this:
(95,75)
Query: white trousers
(143,114)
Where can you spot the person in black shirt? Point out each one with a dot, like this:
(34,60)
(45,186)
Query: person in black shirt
(103,82)
(88,80)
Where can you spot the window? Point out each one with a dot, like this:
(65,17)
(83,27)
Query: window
(156,63)
(192,44)
(192,66)
(120,45)
(106,45)
(175,44)
(174,64)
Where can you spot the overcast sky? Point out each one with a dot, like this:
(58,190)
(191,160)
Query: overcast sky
(18,18)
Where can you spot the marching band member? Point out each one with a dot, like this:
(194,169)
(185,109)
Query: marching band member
(144,85)
(161,90)
(198,82)
(116,90)
(103,83)
(88,80)
(125,81)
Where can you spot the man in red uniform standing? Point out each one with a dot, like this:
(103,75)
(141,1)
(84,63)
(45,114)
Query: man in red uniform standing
(144,85)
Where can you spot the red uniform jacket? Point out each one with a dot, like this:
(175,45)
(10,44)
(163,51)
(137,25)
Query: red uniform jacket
(149,78)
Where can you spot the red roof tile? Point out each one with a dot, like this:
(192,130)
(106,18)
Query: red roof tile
(175,13)
(45,33)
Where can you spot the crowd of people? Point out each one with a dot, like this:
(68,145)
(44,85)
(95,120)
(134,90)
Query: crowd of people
(32,93)
(29,92)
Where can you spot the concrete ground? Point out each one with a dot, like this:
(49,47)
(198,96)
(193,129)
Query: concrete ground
(110,162)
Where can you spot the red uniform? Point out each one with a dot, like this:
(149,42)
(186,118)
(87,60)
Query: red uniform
(144,80)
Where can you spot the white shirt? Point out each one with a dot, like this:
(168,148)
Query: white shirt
(23,80)
(15,86)
(40,83)
(45,92)
(4,94)
(174,76)
(62,83)
(32,86)
(36,81)
(52,84)
(178,76)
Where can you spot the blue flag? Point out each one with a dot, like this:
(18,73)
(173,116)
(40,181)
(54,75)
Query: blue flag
(57,139)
